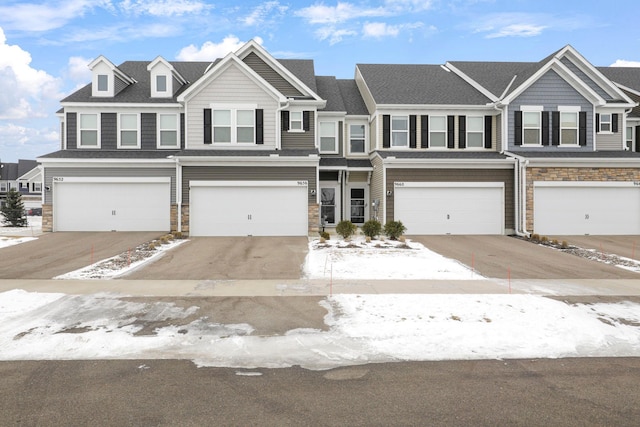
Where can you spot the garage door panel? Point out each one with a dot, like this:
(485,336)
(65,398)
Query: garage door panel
(450,209)
(594,209)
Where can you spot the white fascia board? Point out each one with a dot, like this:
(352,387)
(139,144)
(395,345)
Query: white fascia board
(253,46)
(219,68)
(111,66)
(345,168)
(112,179)
(628,89)
(340,114)
(117,105)
(307,102)
(159,59)
(34,174)
(506,163)
(472,82)
(583,163)
(301,183)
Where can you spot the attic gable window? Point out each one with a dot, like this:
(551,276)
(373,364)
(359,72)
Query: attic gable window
(103,83)
(161,83)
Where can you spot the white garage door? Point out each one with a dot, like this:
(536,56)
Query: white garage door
(450,208)
(578,208)
(131,204)
(248,208)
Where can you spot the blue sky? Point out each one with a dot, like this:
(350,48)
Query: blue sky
(45,45)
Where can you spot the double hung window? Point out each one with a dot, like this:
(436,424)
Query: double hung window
(475,132)
(356,139)
(437,131)
(568,128)
(233,126)
(399,131)
(328,140)
(531,128)
(168,130)
(88,130)
(129,130)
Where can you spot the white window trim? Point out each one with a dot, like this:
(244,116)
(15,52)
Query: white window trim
(138,132)
(301,130)
(159,129)
(606,132)
(481,132)
(234,119)
(445,131)
(363,153)
(4,186)
(166,83)
(338,199)
(79,131)
(632,140)
(532,109)
(569,109)
(364,186)
(391,131)
(335,136)
(106,76)
(37,187)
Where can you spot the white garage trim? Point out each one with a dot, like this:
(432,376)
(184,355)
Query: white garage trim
(248,208)
(112,179)
(450,207)
(586,207)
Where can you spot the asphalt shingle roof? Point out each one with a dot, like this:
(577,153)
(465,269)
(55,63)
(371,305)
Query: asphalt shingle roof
(351,97)
(562,154)
(342,162)
(418,84)
(303,69)
(329,90)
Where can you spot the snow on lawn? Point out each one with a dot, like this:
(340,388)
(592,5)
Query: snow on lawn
(362,329)
(10,241)
(379,260)
(33,228)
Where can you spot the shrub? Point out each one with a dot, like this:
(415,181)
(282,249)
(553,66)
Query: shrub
(372,228)
(13,209)
(544,239)
(535,237)
(565,245)
(177,234)
(324,235)
(346,229)
(394,229)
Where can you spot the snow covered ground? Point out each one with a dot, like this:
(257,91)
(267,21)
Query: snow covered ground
(362,329)
(34,228)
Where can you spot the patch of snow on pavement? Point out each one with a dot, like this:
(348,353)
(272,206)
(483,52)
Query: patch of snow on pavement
(10,241)
(380,260)
(363,329)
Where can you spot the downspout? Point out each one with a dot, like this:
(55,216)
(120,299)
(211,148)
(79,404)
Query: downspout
(523,189)
(179,193)
(279,124)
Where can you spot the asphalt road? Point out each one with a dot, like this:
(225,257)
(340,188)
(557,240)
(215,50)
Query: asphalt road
(567,392)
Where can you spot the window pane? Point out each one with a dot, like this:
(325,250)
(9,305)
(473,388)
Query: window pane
(129,138)
(357,193)
(168,121)
(356,131)
(399,139)
(629,133)
(438,123)
(327,144)
(128,121)
(161,83)
(89,121)
(103,83)
(89,137)
(531,136)
(569,120)
(245,134)
(327,129)
(399,123)
(221,134)
(245,117)
(569,136)
(168,138)
(222,118)
(475,124)
(475,140)
(295,119)
(531,119)
(357,145)
(437,139)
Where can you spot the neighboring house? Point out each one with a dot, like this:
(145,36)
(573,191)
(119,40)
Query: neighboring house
(252,145)
(24,177)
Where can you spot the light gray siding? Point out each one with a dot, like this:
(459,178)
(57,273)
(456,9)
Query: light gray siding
(231,87)
(578,72)
(496,138)
(231,173)
(302,140)
(109,172)
(270,75)
(612,141)
(550,91)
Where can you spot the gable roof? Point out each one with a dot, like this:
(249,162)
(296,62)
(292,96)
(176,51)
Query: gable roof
(328,89)
(352,98)
(629,77)
(417,84)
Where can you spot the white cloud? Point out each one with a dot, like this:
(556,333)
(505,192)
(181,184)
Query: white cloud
(24,89)
(341,12)
(123,32)
(20,142)
(625,63)
(164,7)
(334,35)
(381,29)
(517,30)
(408,6)
(210,51)
(264,13)
(512,25)
(45,16)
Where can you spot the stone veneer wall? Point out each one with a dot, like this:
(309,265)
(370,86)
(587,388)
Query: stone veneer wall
(573,174)
(185,219)
(47,217)
(173,222)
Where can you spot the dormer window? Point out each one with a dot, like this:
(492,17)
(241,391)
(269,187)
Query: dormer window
(103,83)
(161,83)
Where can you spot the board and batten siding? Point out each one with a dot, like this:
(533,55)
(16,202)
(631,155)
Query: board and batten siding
(609,141)
(269,74)
(300,140)
(263,173)
(550,91)
(376,189)
(107,172)
(454,175)
(232,87)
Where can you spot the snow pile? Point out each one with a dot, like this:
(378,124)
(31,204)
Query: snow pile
(10,241)
(380,260)
(363,329)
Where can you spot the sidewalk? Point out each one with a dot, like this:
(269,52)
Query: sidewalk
(322,287)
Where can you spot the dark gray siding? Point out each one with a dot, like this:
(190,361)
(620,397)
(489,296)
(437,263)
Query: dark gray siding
(300,140)
(454,175)
(550,91)
(119,85)
(578,72)
(270,75)
(72,131)
(182,132)
(109,131)
(230,173)
(110,172)
(148,131)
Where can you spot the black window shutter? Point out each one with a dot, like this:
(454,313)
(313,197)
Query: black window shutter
(462,132)
(207,126)
(555,127)
(614,123)
(305,120)
(488,120)
(285,120)
(412,131)
(582,127)
(451,132)
(637,139)
(259,126)
(424,131)
(597,123)
(386,131)
(517,127)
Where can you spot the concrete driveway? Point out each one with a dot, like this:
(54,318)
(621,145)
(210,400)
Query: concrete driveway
(53,254)
(625,246)
(492,256)
(230,258)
